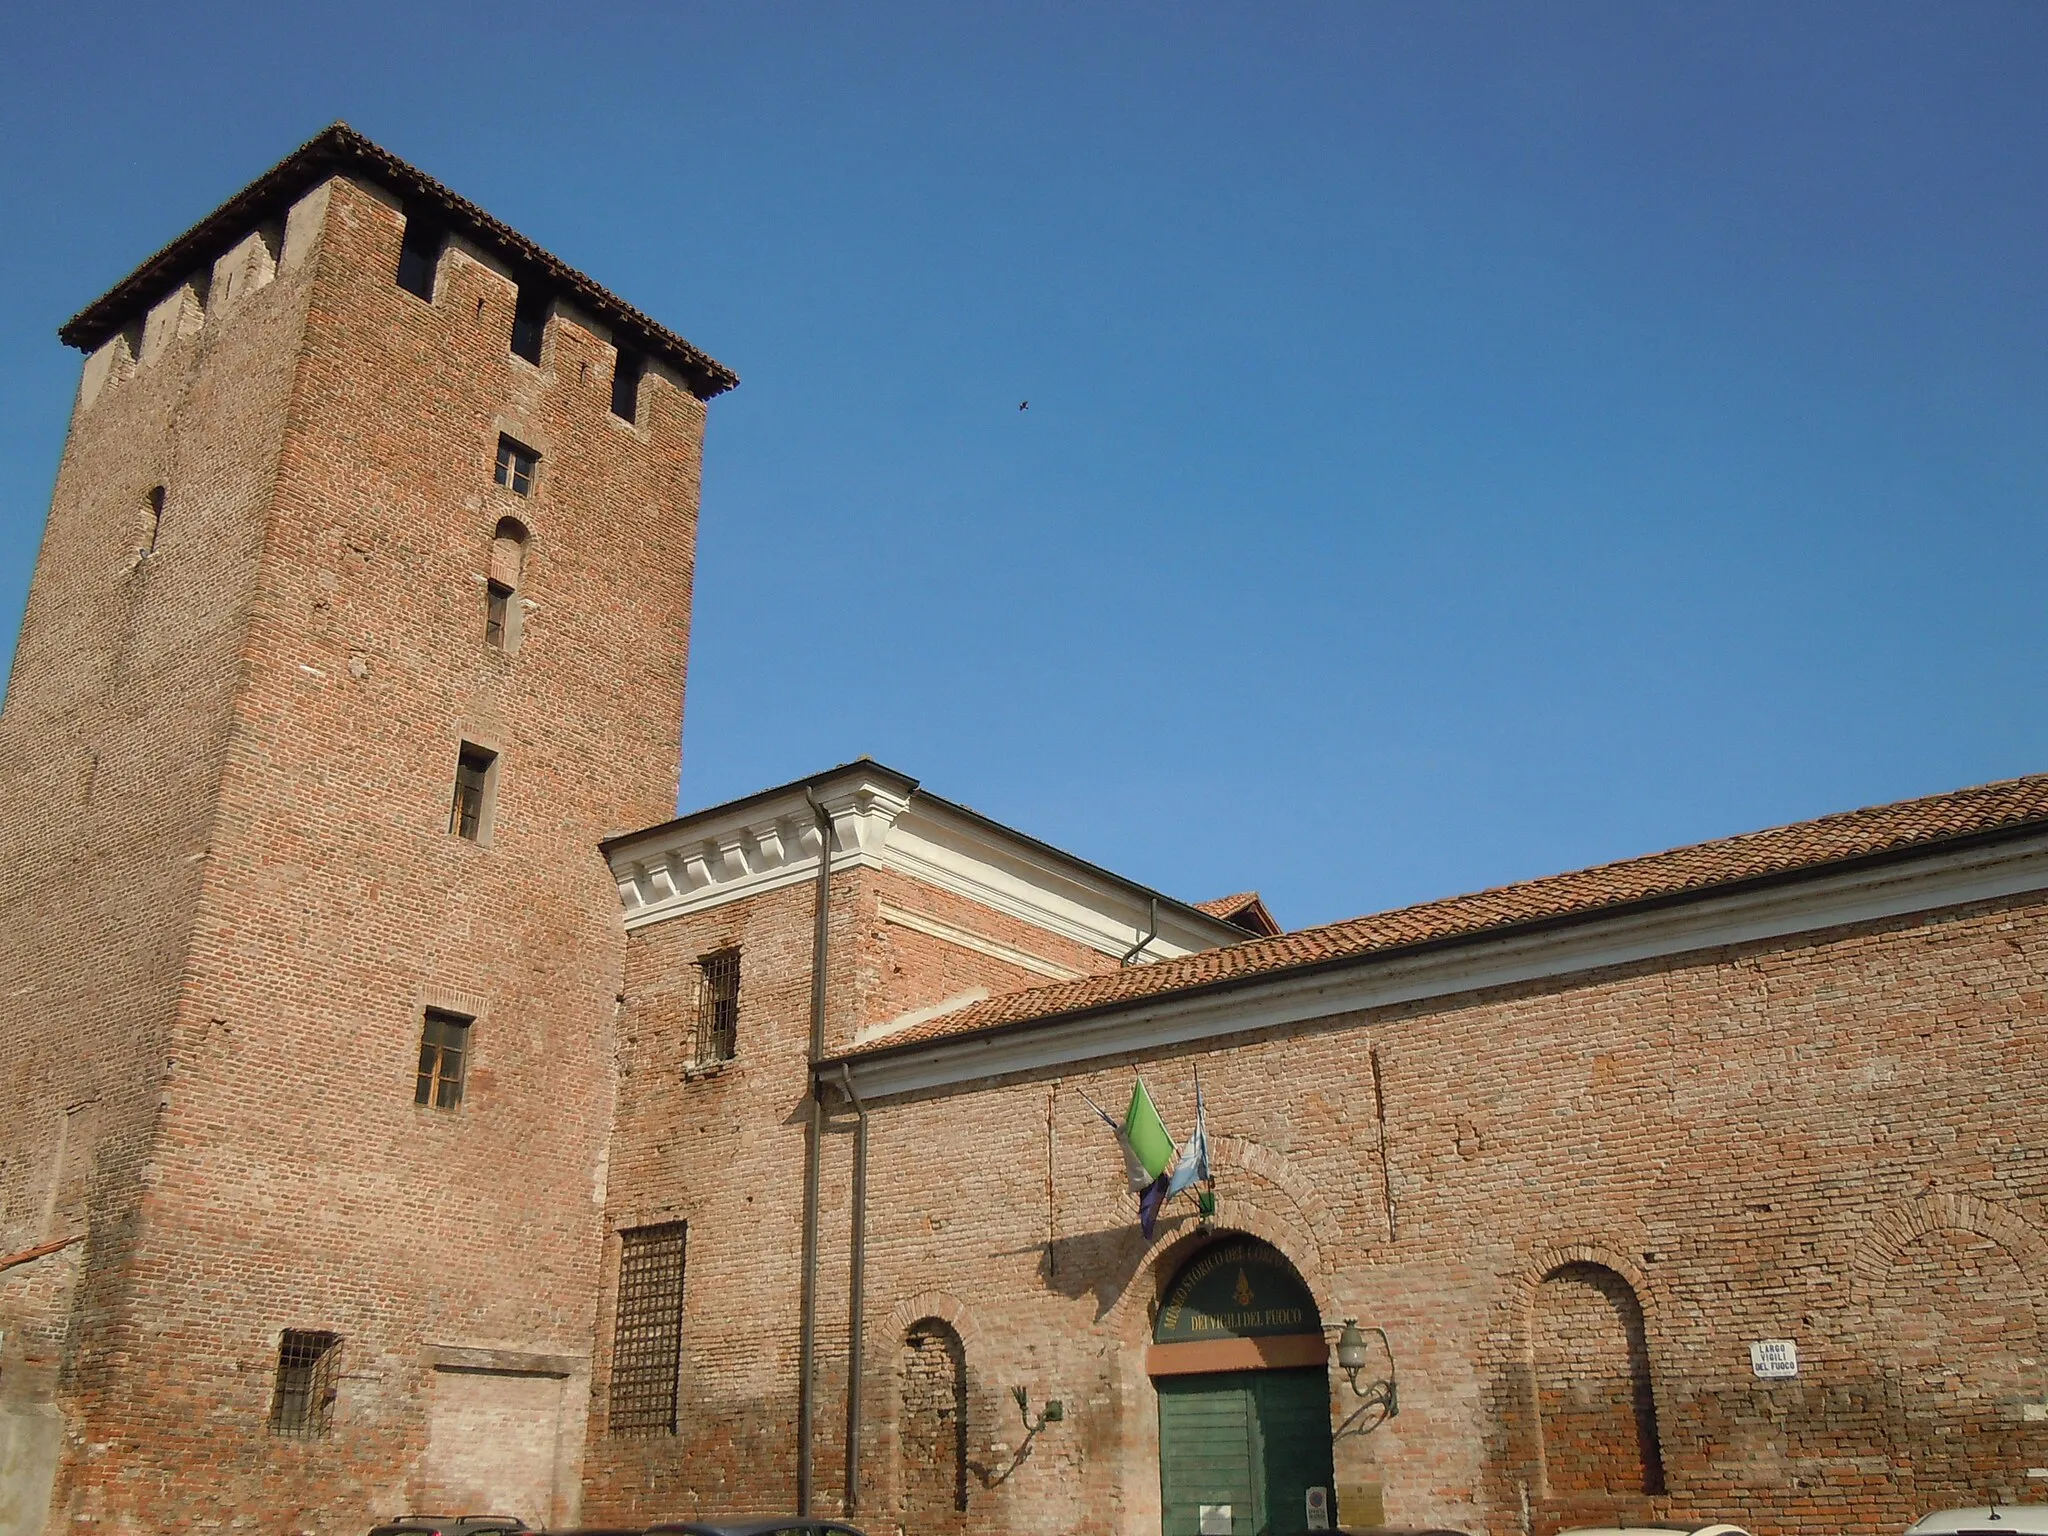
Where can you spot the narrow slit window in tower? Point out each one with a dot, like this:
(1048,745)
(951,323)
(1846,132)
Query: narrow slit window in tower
(466,813)
(151,522)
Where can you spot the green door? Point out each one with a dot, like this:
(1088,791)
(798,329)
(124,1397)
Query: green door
(1248,1446)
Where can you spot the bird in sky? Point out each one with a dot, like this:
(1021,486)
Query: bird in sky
(1024,405)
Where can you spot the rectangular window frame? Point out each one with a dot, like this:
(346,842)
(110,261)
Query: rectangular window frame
(518,466)
(647,1330)
(470,809)
(497,615)
(718,1007)
(306,1384)
(444,1058)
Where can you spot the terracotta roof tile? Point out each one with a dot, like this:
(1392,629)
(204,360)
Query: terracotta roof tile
(1244,910)
(1808,845)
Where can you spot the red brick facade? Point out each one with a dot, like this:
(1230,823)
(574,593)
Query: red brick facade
(1575,1146)
(1603,1190)
(234,891)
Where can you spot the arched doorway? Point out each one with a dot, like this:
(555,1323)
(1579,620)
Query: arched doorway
(1242,1371)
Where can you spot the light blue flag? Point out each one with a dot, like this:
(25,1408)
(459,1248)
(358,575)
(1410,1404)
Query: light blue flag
(1193,1165)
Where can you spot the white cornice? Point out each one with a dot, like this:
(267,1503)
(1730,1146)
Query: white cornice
(880,821)
(1923,884)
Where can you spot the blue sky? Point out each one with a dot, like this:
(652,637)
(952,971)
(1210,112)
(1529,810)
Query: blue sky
(1465,442)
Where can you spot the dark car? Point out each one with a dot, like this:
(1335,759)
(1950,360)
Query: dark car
(756,1525)
(450,1525)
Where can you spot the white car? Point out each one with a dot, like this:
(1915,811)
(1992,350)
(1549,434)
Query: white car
(1986,1520)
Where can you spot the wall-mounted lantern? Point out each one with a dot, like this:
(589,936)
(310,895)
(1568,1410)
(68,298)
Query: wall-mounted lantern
(1381,1400)
(1052,1413)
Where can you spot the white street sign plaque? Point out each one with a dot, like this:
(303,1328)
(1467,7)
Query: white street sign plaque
(1774,1359)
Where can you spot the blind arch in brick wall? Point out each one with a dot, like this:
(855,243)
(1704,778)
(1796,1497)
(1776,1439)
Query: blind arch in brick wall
(1950,1286)
(1590,1389)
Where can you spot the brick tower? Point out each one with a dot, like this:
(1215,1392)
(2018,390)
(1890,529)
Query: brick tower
(360,618)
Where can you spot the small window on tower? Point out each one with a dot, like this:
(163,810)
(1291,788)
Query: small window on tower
(497,609)
(444,1046)
(308,1380)
(529,323)
(151,521)
(718,1007)
(516,466)
(468,815)
(418,258)
(508,564)
(626,372)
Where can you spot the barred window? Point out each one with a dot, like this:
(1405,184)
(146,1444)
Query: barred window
(718,1006)
(647,1338)
(308,1373)
(444,1042)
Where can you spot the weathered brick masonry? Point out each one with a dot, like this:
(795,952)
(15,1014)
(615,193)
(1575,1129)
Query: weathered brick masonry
(1575,1145)
(1573,1200)
(231,890)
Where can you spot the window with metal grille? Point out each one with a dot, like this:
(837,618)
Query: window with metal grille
(418,257)
(516,466)
(308,1377)
(647,1338)
(529,322)
(444,1046)
(472,789)
(718,1006)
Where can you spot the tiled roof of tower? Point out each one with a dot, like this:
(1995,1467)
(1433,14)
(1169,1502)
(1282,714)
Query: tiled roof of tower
(1804,847)
(339,150)
(1226,906)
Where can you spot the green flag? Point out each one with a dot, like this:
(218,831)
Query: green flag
(1146,1133)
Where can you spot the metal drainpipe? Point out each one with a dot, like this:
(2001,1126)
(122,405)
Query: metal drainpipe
(1138,948)
(814,1135)
(856,1288)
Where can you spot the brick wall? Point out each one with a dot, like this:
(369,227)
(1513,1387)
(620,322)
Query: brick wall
(112,744)
(297,895)
(1603,1188)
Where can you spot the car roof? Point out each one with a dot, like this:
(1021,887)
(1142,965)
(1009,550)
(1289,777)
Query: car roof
(1659,1527)
(2017,1519)
(755,1525)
